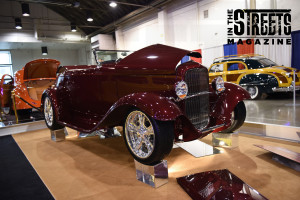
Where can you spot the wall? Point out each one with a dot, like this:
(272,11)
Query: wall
(187,28)
(43,27)
(22,56)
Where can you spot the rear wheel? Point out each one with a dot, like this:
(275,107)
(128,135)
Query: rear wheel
(148,140)
(50,115)
(238,117)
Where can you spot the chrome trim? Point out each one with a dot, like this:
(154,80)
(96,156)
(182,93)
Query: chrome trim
(285,89)
(191,96)
(212,128)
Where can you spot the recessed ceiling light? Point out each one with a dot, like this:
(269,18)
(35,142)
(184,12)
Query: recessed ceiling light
(73,27)
(18,23)
(89,17)
(113,4)
(25,9)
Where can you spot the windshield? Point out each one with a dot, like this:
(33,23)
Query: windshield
(267,62)
(110,55)
(261,63)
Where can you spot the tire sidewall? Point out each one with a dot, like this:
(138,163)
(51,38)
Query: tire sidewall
(160,150)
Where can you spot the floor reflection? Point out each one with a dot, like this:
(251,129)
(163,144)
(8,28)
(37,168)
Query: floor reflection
(274,110)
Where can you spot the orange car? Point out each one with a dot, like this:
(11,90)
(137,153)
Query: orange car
(31,81)
(6,86)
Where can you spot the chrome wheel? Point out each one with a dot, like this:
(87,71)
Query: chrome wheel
(48,111)
(253,91)
(139,134)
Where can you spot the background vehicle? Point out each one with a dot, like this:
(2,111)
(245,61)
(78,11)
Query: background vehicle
(31,81)
(155,102)
(255,73)
(6,86)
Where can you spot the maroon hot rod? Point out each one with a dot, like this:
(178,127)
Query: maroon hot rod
(155,98)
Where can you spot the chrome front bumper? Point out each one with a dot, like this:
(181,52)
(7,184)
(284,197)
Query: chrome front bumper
(286,89)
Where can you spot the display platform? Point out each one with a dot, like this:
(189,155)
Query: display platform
(284,156)
(274,117)
(217,184)
(89,168)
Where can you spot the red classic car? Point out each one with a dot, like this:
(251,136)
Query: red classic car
(155,98)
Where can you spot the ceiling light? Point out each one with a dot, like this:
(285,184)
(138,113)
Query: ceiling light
(25,9)
(76,4)
(73,27)
(44,51)
(89,17)
(112,4)
(18,23)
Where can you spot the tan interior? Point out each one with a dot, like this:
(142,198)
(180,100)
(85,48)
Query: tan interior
(36,87)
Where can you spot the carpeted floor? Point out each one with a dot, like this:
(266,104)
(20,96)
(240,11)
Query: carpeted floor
(90,168)
(18,179)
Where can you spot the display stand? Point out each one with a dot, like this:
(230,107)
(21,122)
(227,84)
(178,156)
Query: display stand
(102,133)
(155,176)
(283,156)
(227,140)
(198,148)
(59,135)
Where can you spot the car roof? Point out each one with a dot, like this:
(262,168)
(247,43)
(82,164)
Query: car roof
(155,59)
(238,57)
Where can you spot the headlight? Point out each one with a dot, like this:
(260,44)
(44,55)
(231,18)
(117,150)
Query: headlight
(218,84)
(181,89)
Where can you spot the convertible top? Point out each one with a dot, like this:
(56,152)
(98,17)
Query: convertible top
(154,59)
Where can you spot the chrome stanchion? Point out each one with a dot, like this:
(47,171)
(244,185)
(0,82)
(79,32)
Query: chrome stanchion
(294,90)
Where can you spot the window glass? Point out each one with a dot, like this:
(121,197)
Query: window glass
(5,57)
(216,68)
(5,63)
(235,66)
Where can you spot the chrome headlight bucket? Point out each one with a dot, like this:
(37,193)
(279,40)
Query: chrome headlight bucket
(218,84)
(181,89)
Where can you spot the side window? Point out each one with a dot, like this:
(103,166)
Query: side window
(235,66)
(216,68)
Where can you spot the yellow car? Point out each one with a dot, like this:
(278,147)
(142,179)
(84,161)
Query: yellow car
(256,73)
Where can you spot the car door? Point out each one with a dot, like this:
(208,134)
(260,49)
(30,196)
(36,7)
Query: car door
(234,70)
(216,70)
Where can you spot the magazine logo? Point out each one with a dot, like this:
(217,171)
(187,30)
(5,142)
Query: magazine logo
(259,26)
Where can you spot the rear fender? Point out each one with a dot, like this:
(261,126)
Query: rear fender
(154,105)
(225,103)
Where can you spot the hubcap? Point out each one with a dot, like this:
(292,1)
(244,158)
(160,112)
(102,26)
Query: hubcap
(252,91)
(48,112)
(139,134)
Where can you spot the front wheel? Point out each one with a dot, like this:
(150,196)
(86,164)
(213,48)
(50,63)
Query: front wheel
(238,117)
(50,115)
(148,140)
(254,91)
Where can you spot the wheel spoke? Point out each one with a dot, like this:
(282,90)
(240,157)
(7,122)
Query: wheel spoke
(139,134)
(132,127)
(48,112)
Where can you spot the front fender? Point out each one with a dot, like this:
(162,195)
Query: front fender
(154,105)
(225,103)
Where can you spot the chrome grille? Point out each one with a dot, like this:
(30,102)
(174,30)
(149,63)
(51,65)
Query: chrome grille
(197,108)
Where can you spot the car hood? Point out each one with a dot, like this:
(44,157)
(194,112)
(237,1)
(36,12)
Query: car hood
(154,59)
(41,68)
